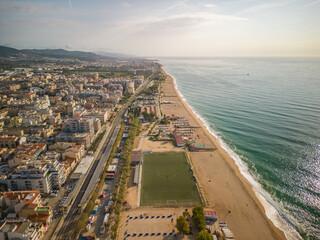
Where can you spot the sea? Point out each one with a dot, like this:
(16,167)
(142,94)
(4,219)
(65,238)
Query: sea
(265,112)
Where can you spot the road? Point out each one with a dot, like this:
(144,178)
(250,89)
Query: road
(67,228)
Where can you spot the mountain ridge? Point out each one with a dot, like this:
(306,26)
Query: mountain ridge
(51,53)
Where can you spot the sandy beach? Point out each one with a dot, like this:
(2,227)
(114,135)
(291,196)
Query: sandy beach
(222,185)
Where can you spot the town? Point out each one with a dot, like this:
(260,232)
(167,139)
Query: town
(81,147)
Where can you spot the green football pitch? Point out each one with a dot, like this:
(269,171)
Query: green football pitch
(167,180)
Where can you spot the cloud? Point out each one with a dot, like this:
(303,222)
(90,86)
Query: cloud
(68,46)
(72,13)
(11,7)
(19,8)
(265,6)
(70,4)
(176,5)
(175,22)
(311,4)
(209,5)
(125,4)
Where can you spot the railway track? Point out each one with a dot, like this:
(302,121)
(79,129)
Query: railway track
(66,231)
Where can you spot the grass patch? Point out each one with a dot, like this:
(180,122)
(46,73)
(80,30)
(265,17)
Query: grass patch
(167,180)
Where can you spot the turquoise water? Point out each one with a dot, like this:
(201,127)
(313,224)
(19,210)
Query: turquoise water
(267,111)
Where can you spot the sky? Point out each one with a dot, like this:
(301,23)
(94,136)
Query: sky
(165,27)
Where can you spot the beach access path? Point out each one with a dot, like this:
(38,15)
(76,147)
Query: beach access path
(225,189)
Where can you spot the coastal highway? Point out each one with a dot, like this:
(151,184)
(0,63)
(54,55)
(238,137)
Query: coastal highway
(67,226)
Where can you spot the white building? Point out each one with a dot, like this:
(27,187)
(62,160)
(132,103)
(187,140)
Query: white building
(86,125)
(31,175)
(24,230)
(138,79)
(71,125)
(58,176)
(97,125)
(82,125)
(102,115)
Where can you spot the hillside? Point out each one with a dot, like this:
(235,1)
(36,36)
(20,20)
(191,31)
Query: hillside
(7,52)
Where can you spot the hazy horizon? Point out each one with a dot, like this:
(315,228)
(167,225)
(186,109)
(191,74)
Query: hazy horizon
(181,28)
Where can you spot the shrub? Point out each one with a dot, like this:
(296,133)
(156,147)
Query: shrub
(182,225)
(204,235)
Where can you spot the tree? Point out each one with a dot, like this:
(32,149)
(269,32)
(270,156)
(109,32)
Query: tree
(204,235)
(186,213)
(198,217)
(164,121)
(182,225)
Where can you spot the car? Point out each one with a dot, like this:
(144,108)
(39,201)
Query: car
(102,229)
(91,218)
(88,227)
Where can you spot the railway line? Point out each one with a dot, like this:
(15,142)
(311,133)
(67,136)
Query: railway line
(66,228)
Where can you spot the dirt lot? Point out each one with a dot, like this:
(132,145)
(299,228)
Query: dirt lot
(132,191)
(145,224)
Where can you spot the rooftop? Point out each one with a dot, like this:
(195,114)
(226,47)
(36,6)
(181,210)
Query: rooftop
(136,156)
(24,196)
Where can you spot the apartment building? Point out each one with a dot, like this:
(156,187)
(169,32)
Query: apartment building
(24,230)
(102,115)
(27,219)
(30,150)
(82,125)
(31,175)
(58,176)
(9,142)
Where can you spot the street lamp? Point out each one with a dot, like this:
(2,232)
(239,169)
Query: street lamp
(225,218)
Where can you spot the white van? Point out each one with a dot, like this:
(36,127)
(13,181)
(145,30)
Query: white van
(102,229)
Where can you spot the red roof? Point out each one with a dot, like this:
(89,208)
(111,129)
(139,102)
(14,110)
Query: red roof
(178,138)
(136,156)
(210,213)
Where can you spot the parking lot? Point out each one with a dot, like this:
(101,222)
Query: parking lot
(99,216)
(151,223)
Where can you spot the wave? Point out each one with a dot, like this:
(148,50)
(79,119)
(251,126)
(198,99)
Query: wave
(272,211)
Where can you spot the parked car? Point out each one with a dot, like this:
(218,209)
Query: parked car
(95,209)
(91,218)
(88,227)
(102,229)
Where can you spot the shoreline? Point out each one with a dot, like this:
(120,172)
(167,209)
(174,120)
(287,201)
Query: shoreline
(247,189)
